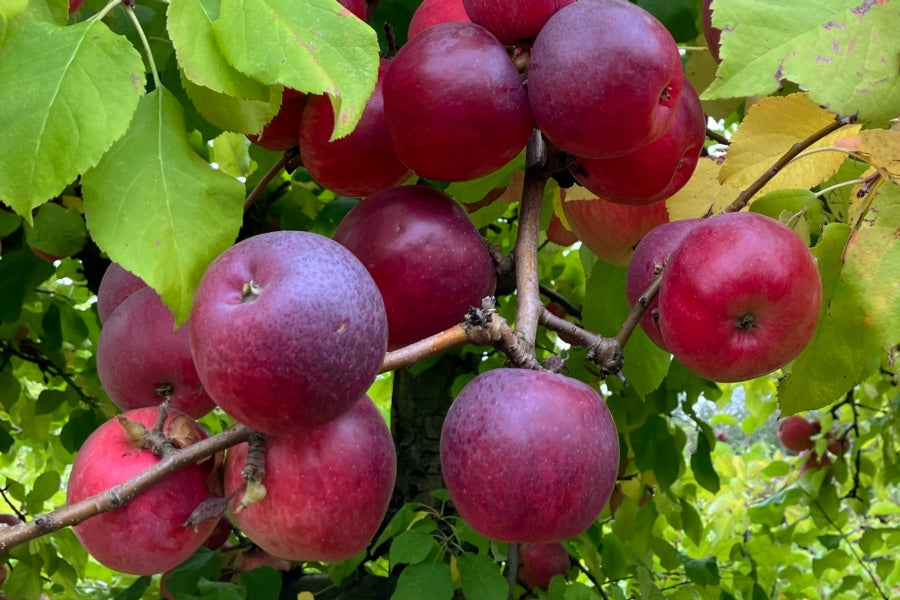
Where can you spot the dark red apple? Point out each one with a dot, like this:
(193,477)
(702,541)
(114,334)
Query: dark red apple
(539,563)
(604,78)
(611,230)
(513,21)
(426,256)
(287,330)
(116,284)
(358,164)
(256,558)
(74,5)
(433,12)
(529,456)
(282,131)
(147,535)
(739,297)
(796,432)
(327,488)
(143,360)
(455,104)
(219,535)
(651,253)
(357,7)
(653,172)
(712,34)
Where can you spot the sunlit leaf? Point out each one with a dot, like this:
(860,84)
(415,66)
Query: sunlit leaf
(878,147)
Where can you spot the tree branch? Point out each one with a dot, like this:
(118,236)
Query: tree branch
(46,364)
(121,494)
(269,176)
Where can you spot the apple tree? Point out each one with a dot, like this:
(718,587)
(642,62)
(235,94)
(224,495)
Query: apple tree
(449,299)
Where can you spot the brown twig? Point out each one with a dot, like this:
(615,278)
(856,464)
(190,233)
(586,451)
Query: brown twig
(269,176)
(402,357)
(121,494)
(717,137)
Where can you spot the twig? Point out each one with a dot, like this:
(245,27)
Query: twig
(121,494)
(567,304)
(569,331)
(744,197)
(46,364)
(402,357)
(717,137)
(637,311)
(270,174)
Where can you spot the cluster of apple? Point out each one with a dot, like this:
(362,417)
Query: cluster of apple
(799,434)
(287,332)
(739,297)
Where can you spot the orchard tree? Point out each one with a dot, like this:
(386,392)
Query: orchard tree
(449,299)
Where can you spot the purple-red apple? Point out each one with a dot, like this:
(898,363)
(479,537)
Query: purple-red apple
(651,254)
(529,456)
(796,432)
(116,284)
(148,534)
(327,488)
(358,164)
(357,7)
(287,330)
(513,21)
(219,535)
(739,297)
(604,78)
(610,230)
(653,172)
(282,132)
(455,104)
(541,562)
(143,360)
(426,256)
(433,12)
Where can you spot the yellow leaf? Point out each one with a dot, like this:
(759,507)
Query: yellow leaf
(878,147)
(771,127)
(454,568)
(858,198)
(559,195)
(306,596)
(702,193)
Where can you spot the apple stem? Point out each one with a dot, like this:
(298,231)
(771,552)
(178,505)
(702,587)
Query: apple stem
(512,567)
(255,464)
(280,164)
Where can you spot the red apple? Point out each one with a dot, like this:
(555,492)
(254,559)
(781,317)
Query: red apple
(739,297)
(426,256)
(358,164)
(74,4)
(513,21)
(143,360)
(256,558)
(539,563)
(219,535)
(147,535)
(327,488)
(604,78)
(611,230)
(795,433)
(653,172)
(116,284)
(558,234)
(529,456)
(455,104)
(287,330)
(651,253)
(282,131)
(434,12)
(357,7)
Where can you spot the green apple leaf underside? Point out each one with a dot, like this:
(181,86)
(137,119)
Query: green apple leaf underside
(315,46)
(229,113)
(66,94)
(157,208)
(846,53)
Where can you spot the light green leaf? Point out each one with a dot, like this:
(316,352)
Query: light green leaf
(230,113)
(846,54)
(480,578)
(315,46)
(57,230)
(157,208)
(230,152)
(411,547)
(66,94)
(430,580)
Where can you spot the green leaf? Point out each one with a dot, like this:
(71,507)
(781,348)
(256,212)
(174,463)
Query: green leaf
(264,581)
(771,510)
(690,521)
(316,47)
(430,580)
(400,521)
(77,429)
(703,571)
(701,465)
(830,541)
(50,400)
(136,590)
(24,583)
(51,328)
(21,271)
(844,53)
(614,560)
(411,547)
(203,564)
(230,152)
(480,578)
(676,15)
(9,222)
(655,449)
(9,389)
(67,93)
(220,590)
(59,231)
(157,208)
(233,114)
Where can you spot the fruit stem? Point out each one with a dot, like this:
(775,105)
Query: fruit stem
(257,190)
(144,43)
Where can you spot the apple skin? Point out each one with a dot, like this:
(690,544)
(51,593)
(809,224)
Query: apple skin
(142,359)
(358,164)
(116,284)
(653,172)
(539,563)
(652,252)
(303,347)
(739,298)
(712,34)
(795,433)
(74,5)
(611,230)
(219,535)
(427,258)
(558,234)
(357,7)
(529,456)
(513,21)
(327,488)
(282,132)
(434,12)
(147,535)
(454,82)
(604,78)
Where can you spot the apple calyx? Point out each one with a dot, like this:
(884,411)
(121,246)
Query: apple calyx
(746,322)
(250,291)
